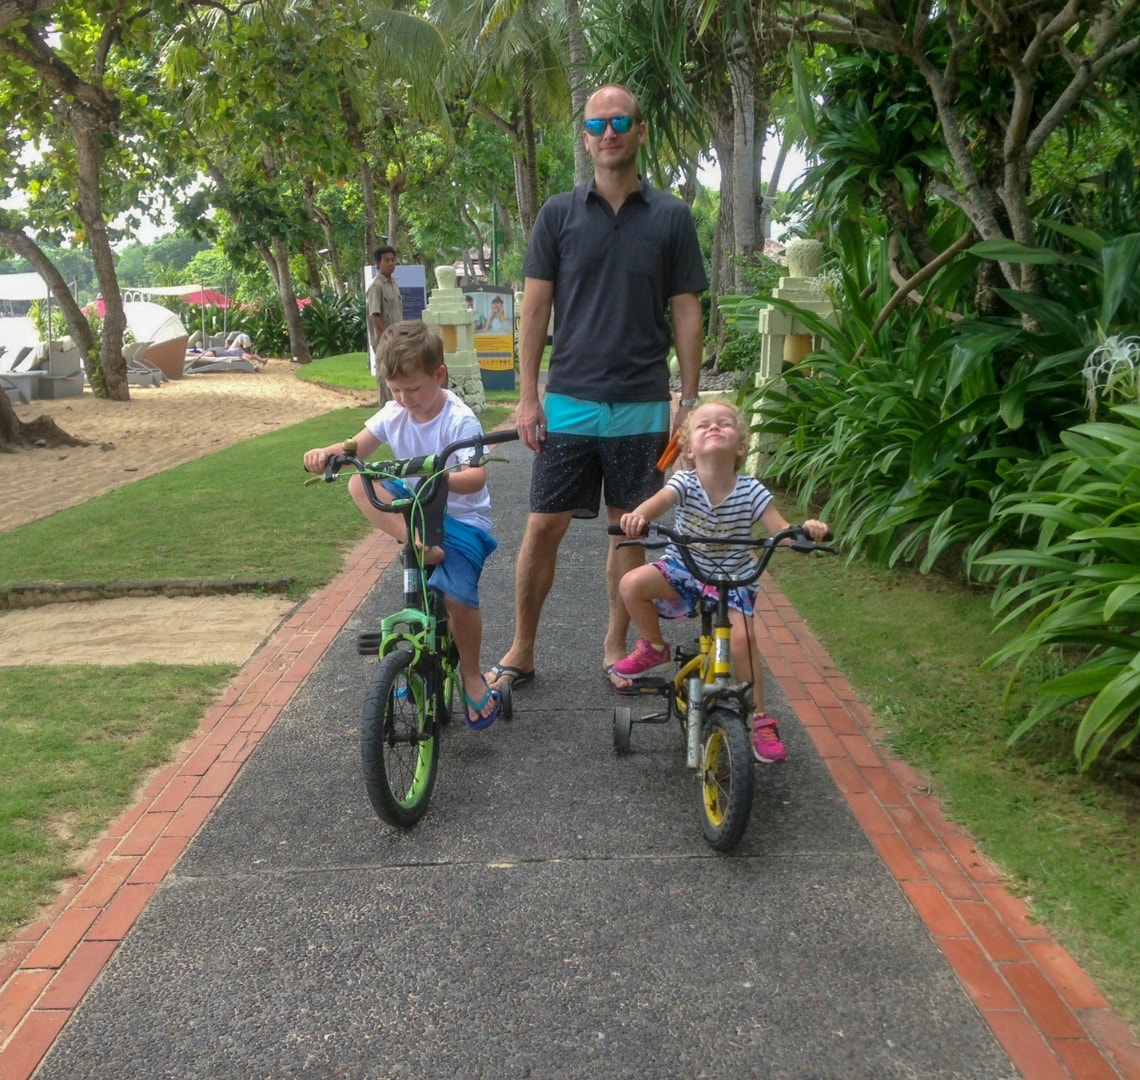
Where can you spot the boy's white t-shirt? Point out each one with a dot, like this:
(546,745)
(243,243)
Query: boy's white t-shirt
(394,425)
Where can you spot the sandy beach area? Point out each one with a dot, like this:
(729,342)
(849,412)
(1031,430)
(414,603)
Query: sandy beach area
(159,428)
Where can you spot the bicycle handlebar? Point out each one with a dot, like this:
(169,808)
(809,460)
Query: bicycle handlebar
(658,536)
(433,466)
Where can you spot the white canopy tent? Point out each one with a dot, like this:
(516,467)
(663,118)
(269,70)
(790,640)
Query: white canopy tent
(16,331)
(152,322)
(23,287)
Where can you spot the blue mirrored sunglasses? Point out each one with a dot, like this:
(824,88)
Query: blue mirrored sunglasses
(620,124)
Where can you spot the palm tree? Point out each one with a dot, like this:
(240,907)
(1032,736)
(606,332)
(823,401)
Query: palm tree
(510,57)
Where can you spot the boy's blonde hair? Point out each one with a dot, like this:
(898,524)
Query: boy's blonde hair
(409,348)
(686,462)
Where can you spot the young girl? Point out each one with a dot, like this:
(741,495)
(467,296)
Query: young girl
(712,499)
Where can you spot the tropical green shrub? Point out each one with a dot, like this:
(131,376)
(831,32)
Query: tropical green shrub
(885,426)
(335,325)
(264,321)
(911,431)
(1080,581)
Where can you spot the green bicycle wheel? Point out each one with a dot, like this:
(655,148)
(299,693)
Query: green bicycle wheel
(399,739)
(726,779)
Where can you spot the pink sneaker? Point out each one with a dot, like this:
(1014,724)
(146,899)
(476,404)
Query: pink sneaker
(645,657)
(766,745)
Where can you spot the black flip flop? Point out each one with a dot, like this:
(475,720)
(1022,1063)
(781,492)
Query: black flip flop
(515,676)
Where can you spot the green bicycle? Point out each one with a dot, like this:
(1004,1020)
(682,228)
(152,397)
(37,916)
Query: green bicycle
(413,690)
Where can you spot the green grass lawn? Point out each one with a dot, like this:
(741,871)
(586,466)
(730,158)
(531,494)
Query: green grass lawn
(911,646)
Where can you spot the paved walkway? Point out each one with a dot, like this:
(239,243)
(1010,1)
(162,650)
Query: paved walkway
(556,913)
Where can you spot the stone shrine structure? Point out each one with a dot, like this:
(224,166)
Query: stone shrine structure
(447,310)
(783,338)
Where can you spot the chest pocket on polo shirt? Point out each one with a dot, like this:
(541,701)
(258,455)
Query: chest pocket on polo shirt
(645,257)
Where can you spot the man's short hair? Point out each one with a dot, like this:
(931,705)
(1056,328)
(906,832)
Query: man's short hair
(635,112)
(380,252)
(408,348)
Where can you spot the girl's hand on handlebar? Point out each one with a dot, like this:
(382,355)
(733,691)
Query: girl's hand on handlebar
(634,524)
(817,530)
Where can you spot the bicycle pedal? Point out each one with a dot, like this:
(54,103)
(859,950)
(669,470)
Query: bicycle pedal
(651,684)
(368,643)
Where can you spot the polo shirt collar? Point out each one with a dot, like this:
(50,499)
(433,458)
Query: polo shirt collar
(590,188)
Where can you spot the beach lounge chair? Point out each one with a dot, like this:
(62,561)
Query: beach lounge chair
(168,356)
(22,381)
(25,359)
(16,389)
(140,371)
(62,375)
(230,360)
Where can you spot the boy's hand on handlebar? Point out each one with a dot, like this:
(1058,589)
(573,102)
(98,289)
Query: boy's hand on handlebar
(315,460)
(817,530)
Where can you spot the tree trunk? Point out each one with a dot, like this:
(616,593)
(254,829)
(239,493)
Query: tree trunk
(108,371)
(367,183)
(725,153)
(480,243)
(276,258)
(527,168)
(579,90)
(744,180)
(19,243)
(16,434)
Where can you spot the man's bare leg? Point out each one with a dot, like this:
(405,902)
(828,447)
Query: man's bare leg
(618,562)
(534,577)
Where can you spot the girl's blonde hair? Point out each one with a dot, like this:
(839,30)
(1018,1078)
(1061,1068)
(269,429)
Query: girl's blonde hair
(685,461)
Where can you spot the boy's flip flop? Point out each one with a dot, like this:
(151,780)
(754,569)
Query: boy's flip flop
(474,720)
(515,676)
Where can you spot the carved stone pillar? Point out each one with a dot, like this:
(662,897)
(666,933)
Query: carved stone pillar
(447,310)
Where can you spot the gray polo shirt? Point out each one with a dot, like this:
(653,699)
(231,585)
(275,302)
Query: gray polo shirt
(613,276)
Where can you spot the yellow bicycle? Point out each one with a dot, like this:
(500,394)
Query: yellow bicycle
(714,712)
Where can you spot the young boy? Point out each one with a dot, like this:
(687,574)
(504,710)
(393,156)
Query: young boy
(712,499)
(423,418)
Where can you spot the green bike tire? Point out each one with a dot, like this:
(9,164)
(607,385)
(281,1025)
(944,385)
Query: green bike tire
(725,779)
(399,739)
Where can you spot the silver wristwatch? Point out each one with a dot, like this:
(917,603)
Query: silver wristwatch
(690,402)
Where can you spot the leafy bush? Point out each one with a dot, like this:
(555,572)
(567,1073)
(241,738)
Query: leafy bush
(886,426)
(913,430)
(264,321)
(334,325)
(1081,580)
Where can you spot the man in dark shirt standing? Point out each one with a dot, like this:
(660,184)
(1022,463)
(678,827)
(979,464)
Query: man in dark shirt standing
(611,257)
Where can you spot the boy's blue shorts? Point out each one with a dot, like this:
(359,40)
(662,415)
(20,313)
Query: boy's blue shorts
(465,549)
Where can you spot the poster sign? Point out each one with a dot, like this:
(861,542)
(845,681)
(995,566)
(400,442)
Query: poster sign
(493,308)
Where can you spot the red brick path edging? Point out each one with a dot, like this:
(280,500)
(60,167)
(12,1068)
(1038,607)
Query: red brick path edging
(1047,1014)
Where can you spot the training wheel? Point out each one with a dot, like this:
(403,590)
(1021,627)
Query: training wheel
(506,707)
(623,725)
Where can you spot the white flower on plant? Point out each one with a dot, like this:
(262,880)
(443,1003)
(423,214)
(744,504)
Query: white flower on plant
(1112,369)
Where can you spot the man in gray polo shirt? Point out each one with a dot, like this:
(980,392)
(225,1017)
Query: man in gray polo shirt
(611,257)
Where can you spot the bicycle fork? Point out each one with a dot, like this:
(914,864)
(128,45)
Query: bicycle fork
(718,679)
